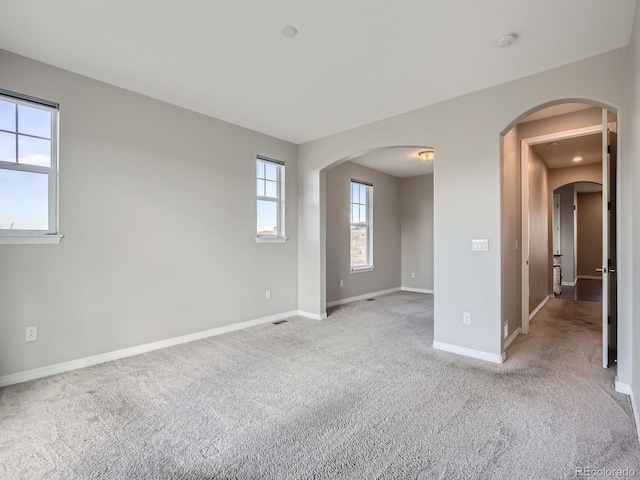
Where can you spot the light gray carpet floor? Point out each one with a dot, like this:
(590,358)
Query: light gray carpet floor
(361,395)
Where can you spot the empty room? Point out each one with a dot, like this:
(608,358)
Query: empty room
(285,240)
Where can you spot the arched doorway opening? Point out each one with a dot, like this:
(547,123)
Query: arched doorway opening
(550,146)
(378,223)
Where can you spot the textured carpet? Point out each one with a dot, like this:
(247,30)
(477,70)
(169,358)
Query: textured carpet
(361,395)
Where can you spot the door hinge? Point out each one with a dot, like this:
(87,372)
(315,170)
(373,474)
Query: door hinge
(609,320)
(608,148)
(608,205)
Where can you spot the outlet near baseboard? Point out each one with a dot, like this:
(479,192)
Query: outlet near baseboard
(31,334)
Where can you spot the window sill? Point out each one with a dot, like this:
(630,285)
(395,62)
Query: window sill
(362,269)
(30,239)
(271,239)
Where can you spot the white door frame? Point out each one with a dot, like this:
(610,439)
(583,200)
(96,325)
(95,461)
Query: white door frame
(525,145)
(605,238)
(556,224)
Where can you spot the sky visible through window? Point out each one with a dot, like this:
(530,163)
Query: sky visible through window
(267,191)
(359,225)
(25,139)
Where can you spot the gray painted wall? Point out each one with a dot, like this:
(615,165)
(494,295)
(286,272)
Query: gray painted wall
(386,233)
(630,338)
(538,231)
(416,199)
(511,232)
(157,209)
(467,193)
(589,238)
(561,123)
(558,177)
(567,233)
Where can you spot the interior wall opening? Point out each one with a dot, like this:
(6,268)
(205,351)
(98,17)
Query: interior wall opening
(546,154)
(379,224)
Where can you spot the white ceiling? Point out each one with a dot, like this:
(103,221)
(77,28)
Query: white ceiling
(397,161)
(560,153)
(353,62)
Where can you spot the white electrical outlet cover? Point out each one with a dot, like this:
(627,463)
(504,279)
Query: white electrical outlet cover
(31,334)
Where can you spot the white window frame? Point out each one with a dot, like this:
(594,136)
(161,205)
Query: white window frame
(279,237)
(368,224)
(15,236)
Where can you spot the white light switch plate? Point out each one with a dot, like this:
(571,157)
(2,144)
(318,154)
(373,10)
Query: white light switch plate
(480,245)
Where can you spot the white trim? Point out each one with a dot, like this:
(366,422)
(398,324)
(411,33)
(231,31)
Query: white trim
(369,268)
(623,388)
(565,134)
(51,171)
(589,277)
(312,316)
(525,143)
(524,235)
(416,290)
(362,297)
(539,307)
(468,352)
(568,284)
(636,412)
(628,390)
(30,239)
(271,239)
(513,336)
(606,230)
(54,369)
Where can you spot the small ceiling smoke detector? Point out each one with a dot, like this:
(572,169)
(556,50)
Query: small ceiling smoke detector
(289,31)
(427,155)
(577,159)
(553,144)
(506,40)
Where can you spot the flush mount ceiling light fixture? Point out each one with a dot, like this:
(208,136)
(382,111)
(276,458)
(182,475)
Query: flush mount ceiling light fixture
(427,155)
(577,159)
(507,40)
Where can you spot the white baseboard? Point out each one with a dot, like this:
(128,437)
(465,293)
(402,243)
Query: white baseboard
(623,388)
(636,413)
(362,297)
(568,284)
(539,307)
(512,337)
(589,277)
(628,390)
(468,352)
(27,375)
(312,316)
(416,290)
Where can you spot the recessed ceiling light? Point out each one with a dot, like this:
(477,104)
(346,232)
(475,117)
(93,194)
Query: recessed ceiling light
(506,40)
(577,159)
(289,31)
